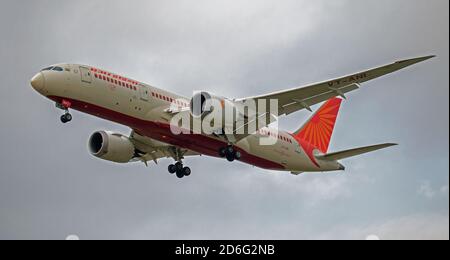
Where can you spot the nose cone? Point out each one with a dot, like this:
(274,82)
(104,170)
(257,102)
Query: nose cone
(38,82)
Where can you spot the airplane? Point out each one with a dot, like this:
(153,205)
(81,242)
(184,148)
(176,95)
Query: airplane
(148,111)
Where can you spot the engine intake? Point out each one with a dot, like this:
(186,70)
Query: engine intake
(222,114)
(111,147)
(201,104)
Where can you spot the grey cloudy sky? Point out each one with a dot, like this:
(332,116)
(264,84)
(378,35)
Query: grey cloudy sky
(51,187)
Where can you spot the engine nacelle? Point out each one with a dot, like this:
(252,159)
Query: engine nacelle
(111,147)
(229,113)
(202,103)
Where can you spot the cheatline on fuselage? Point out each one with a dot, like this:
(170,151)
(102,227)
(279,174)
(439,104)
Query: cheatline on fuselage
(149,111)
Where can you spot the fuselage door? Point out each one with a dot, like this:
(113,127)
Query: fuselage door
(86,75)
(143,92)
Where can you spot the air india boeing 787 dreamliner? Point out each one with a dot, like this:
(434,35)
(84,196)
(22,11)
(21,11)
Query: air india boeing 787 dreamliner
(151,112)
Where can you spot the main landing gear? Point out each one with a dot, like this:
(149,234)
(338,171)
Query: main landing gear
(179,169)
(65,105)
(230,153)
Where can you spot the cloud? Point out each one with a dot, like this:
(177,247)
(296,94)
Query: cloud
(327,188)
(426,190)
(50,187)
(410,227)
(414,227)
(444,190)
(429,192)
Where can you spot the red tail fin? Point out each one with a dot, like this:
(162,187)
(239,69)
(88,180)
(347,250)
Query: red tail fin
(318,130)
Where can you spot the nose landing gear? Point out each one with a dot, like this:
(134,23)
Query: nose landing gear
(67,117)
(65,105)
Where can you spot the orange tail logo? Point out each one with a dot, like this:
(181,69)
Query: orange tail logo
(319,129)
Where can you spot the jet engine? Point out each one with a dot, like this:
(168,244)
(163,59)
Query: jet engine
(202,103)
(228,113)
(111,147)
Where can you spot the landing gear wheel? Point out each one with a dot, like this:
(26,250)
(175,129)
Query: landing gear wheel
(178,166)
(180,174)
(229,153)
(66,118)
(172,169)
(179,170)
(230,157)
(223,152)
(186,171)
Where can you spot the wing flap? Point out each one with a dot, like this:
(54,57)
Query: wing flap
(308,102)
(153,150)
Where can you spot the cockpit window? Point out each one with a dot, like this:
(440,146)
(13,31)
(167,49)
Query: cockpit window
(49,68)
(58,69)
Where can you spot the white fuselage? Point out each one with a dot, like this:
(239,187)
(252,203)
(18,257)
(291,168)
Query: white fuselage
(142,108)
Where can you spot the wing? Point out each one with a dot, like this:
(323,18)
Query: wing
(153,150)
(293,100)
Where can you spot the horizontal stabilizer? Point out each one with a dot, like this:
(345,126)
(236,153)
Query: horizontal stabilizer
(353,152)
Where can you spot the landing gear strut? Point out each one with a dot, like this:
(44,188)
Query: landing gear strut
(65,105)
(230,153)
(179,170)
